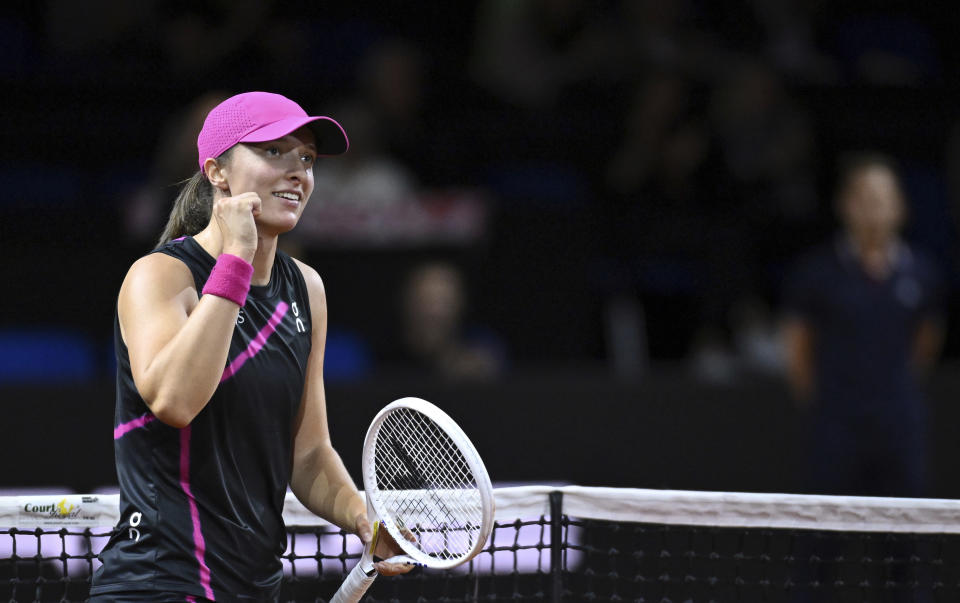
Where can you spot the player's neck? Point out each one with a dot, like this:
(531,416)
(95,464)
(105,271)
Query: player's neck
(211,240)
(263,260)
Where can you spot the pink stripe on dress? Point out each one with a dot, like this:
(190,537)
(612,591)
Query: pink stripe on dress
(122,429)
(258,342)
(199,546)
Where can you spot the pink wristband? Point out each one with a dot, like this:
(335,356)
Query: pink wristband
(230,279)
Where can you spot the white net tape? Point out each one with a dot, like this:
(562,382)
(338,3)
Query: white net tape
(672,507)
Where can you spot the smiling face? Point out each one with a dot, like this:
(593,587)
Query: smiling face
(280,171)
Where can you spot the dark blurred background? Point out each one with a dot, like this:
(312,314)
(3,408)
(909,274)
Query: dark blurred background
(567,222)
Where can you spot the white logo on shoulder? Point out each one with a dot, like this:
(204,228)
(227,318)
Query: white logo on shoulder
(301,328)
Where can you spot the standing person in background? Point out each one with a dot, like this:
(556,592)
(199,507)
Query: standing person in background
(220,399)
(863,326)
(435,337)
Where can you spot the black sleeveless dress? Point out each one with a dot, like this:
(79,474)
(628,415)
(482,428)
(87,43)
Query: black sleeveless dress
(200,507)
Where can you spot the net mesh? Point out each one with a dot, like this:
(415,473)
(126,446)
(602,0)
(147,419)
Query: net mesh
(671,563)
(425,485)
(575,544)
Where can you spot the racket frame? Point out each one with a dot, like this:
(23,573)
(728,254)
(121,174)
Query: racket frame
(472,458)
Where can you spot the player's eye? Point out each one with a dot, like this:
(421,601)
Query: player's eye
(308,158)
(272,151)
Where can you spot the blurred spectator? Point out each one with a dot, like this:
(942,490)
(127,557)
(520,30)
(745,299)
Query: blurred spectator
(862,328)
(659,183)
(791,39)
(660,140)
(422,116)
(651,35)
(173,162)
(163,40)
(693,225)
(435,337)
(387,190)
(525,52)
(198,39)
(763,203)
(530,52)
(391,90)
(766,143)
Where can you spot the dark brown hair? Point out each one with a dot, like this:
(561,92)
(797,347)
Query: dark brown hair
(192,207)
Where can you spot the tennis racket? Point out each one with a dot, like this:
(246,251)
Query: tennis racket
(426,486)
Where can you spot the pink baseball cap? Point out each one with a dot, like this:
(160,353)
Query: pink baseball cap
(263,116)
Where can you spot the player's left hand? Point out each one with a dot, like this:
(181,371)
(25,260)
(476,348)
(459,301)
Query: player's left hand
(386,547)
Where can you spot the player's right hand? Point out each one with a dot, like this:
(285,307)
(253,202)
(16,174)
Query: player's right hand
(235,217)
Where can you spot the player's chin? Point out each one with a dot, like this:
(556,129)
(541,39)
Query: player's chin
(279,224)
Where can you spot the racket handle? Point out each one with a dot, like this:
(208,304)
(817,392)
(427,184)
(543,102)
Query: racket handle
(354,587)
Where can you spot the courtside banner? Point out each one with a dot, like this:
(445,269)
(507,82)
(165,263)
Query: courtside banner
(61,510)
(102,510)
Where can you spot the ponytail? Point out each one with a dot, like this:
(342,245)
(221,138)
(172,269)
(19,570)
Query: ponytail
(191,209)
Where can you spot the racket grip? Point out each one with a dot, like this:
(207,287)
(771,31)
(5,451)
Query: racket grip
(354,587)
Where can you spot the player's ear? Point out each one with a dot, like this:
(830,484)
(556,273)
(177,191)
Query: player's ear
(215,174)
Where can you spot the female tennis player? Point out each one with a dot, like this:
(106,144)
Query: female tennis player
(220,398)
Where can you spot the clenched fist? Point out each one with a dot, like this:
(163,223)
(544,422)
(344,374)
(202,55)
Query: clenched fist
(235,217)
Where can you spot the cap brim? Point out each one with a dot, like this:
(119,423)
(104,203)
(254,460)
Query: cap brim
(331,137)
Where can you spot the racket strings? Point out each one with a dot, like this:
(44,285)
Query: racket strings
(426,444)
(425,484)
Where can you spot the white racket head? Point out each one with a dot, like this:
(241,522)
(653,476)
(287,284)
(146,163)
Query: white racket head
(423,477)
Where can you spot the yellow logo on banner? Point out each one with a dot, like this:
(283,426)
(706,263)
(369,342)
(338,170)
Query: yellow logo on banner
(63,509)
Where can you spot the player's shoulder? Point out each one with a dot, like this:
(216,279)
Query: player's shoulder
(159,270)
(312,280)
(310,275)
(153,282)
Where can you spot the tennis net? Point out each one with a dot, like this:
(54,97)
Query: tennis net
(572,544)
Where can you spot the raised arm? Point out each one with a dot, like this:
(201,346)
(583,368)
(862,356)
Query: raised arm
(178,344)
